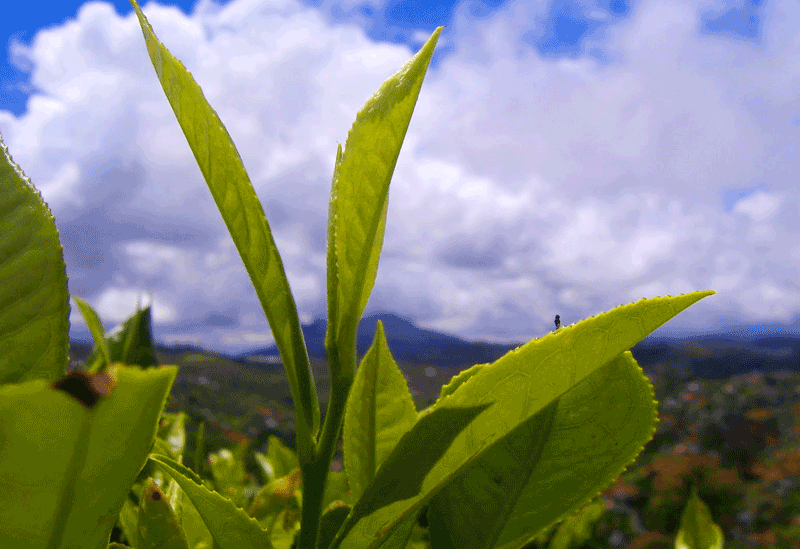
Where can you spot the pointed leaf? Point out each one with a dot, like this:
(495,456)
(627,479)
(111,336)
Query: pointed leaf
(380,410)
(360,197)
(96,329)
(229,473)
(34,302)
(231,527)
(577,529)
(241,210)
(187,517)
(698,530)
(551,465)
(158,526)
(500,398)
(64,482)
(282,459)
(130,342)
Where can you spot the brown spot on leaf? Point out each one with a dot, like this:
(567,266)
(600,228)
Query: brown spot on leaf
(85,387)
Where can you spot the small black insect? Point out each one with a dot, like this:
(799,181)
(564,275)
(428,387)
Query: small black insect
(558,322)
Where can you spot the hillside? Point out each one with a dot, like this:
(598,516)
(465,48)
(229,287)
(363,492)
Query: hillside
(729,420)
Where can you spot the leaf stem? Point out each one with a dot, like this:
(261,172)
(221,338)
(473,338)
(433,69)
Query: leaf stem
(315,474)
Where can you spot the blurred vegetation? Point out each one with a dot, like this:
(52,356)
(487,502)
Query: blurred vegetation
(735,439)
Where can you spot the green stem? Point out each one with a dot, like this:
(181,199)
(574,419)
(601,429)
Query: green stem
(315,474)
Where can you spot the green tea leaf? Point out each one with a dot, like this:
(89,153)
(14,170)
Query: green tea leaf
(130,342)
(158,526)
(380,410)
(223,170)
(279,461)
(332,519)
(459,379)
(520,395)
(96,329)
(64,482)
(228,470)
(34,302)
(576,530)
(231,527)
(698,530)
(552,464)
(360,197)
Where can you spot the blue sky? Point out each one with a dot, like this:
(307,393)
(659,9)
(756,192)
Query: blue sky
(564,157)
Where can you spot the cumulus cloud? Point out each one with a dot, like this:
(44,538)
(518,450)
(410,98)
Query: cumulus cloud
(528,185)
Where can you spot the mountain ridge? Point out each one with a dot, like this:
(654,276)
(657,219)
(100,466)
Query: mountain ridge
(410,343)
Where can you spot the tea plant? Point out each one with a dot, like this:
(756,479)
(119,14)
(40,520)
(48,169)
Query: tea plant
(508,449)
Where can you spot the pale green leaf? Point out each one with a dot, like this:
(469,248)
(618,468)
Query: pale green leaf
(380,410)
(230,526)
(360,198)
(698,530)
(517,395)
(555,463)
(64,482)
(224,172)
(34,302)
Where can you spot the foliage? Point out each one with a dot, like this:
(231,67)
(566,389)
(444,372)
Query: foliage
(508,450)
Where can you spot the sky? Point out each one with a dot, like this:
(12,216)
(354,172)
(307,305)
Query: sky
(564,157)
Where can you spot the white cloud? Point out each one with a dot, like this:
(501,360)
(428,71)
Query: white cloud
(527,186)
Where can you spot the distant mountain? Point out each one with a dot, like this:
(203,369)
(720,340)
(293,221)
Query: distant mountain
(406,341)
(704,356)
(709,357)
